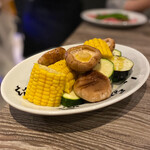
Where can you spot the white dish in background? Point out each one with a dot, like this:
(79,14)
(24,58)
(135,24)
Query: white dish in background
(137,18)
(19,76)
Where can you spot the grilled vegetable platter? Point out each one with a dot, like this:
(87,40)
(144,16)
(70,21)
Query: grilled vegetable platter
(81,74)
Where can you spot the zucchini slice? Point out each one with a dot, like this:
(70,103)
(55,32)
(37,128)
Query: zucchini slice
(122,68)
(70,99)
(117,52)
(106,67)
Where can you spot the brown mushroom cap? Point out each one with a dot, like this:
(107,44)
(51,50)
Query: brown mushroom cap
(52,56)
(93,86)
(82,58)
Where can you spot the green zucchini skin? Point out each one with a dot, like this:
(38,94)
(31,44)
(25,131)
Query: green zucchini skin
(120,76)
(117,52)
(71,99)
(122,68)
(70,103)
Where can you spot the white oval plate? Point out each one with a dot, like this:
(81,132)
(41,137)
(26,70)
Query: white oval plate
(17,78)
(87,15)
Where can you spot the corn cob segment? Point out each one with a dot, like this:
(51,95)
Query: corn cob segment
(45,86)
(101,45)
(62,67)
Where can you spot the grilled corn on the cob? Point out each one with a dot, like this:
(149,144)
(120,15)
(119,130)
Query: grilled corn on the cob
(45,86)
(101,45)
(61,66)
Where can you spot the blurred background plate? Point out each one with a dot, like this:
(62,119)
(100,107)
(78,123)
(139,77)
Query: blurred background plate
(135,19)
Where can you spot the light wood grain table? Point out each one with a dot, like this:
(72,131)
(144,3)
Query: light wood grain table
(122,126)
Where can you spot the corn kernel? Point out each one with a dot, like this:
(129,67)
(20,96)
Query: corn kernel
(56,81)
(46,86)
(62,67)
(38,96)
(101,45)
(58,98)
(51,99)
(40,87)
(36,102)
(53,92)
(48,82)
(43,104)
(46,93)
(41,83)
(39,91)
(45,90)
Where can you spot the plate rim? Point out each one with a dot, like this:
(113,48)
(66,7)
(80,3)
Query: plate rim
(111,24)
(82,109)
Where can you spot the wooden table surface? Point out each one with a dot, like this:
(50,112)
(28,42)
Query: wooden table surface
(122,126)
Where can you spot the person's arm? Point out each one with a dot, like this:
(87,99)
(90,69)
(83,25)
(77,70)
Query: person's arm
(137,5)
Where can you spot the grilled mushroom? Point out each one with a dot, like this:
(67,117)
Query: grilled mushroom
(93,86)
(82,58)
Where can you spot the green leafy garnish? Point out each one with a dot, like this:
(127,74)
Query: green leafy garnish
(117,16)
